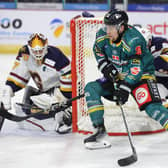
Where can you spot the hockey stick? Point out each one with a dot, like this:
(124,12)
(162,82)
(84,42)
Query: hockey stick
(1,122)
(55,109)
(133,158)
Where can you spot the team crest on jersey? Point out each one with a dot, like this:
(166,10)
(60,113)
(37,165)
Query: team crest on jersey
(114,57)
(135,70)
(138,50)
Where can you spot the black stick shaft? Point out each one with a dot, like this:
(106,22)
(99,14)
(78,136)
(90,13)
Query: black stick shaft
(126,126)
(4,113)
(133,158)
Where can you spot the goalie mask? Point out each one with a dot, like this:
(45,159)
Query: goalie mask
(37,45)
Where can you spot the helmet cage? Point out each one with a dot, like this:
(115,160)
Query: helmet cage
(38,45)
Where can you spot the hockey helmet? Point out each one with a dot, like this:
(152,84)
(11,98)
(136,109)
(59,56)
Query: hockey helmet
(116,17)
(38,45)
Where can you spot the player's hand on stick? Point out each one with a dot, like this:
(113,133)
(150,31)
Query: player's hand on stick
(122,93)
(108,69)
(5,97)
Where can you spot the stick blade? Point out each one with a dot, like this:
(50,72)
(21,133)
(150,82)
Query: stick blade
(128,160)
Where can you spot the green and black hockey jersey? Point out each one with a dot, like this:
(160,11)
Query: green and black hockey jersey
(130,56)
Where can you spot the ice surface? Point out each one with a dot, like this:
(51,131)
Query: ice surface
(30,149)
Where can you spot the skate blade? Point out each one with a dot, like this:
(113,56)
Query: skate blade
(97,145)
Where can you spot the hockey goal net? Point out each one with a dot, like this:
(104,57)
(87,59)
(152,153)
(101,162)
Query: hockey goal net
(84,70)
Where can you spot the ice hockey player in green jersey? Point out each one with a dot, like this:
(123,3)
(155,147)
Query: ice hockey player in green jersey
(124,59)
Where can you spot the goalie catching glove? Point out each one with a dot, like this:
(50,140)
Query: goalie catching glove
(60,110)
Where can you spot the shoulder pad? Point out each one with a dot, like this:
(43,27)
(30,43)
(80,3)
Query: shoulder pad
(101,35)
(24,49)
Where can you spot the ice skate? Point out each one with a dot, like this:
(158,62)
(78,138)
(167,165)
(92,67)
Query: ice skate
(98,139)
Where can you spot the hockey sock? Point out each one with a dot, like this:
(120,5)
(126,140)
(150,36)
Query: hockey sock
(94,103)
(159,113)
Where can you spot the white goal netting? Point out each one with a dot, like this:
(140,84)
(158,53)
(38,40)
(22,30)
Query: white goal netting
(84,69)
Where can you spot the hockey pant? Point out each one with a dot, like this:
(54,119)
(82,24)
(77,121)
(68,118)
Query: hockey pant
(97,89)
(94,91)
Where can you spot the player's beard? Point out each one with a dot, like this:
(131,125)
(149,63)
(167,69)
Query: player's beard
(118,39)
(115,39)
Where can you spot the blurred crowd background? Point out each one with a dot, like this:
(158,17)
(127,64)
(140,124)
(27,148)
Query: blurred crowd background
(20,18)
(130,5)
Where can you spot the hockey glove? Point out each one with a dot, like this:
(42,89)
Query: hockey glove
(122,93)
(108,69)
(64,121)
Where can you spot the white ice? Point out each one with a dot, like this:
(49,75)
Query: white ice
(30,149)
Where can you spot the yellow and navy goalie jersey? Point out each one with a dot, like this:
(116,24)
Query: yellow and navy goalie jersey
(130,56)
(54,71)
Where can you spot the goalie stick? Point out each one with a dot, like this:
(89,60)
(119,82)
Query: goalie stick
(55,109)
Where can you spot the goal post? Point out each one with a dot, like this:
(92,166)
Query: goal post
(84,69)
